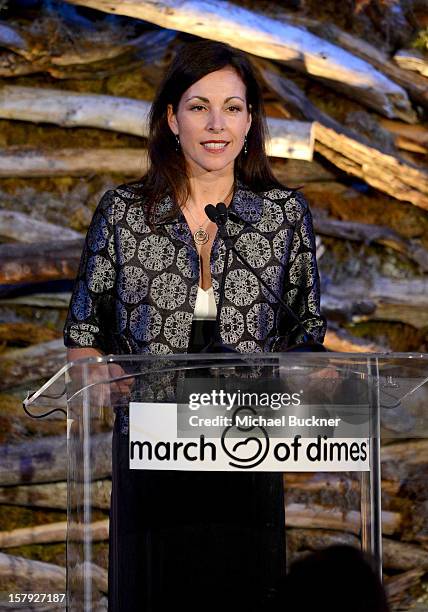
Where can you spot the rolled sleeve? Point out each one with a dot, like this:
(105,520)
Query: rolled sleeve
(89,314)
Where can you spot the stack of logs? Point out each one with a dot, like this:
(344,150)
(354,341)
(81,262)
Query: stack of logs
(347,118)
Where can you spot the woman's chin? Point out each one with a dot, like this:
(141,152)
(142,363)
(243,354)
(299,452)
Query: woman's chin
(213,165)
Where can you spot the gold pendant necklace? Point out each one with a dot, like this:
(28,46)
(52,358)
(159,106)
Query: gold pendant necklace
(201,236)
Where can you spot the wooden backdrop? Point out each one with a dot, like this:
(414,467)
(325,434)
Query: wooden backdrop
(346,92)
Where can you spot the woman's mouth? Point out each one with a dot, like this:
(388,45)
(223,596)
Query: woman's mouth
(214,147)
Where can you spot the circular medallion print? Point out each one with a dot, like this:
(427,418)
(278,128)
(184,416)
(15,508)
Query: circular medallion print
(241,287)
(145,323)
(156,253)
(260,319)
(177,329)
(100,274)
(168,291)
(132,284)
(231,325)
(254,248)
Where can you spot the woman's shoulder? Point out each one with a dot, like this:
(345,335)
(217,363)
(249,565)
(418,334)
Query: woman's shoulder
(131,191)
(116,202)
(292,201)
(128,193)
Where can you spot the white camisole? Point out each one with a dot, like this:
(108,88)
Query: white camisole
(205,306)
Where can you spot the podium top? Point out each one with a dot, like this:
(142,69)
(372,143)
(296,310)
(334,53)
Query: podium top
(394,382)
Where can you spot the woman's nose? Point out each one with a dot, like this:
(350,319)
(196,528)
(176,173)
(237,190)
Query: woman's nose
(216,121)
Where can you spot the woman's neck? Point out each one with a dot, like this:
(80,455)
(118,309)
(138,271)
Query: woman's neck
(210,191)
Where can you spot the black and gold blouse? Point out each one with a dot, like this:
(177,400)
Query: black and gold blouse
(136,289)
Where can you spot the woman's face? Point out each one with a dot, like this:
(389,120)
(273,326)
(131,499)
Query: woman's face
(212,109)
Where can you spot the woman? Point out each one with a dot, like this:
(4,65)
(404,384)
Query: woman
(149,282)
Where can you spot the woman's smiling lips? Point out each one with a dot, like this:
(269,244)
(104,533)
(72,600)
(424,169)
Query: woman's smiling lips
(215,146)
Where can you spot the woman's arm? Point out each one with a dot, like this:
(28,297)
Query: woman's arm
(90,315)
(112,370)
(81,353)
(302,282)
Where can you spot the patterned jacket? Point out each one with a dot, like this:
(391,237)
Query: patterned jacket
(136,289)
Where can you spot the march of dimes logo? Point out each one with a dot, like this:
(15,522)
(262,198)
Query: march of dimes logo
(218,426)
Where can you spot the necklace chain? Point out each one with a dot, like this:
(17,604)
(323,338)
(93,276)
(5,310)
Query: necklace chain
(201,236)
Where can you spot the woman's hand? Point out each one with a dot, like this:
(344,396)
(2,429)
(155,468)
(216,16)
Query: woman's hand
(329,373)
(121,386)
(103,372)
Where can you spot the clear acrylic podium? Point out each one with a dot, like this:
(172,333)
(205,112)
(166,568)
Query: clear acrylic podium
(329,413)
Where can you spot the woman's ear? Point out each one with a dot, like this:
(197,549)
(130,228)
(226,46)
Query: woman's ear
(171,118)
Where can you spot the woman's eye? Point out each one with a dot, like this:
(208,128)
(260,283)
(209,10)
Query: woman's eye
(198,106)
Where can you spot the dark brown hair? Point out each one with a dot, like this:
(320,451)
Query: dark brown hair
(167,169)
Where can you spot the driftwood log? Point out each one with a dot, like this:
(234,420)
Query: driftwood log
(23,228)
(348,150)
(339,483)
(41,460)
(25,162)
(53,532)
(396,585)
(39,300)
(45,460)
(401,458)
(35,363)
(290,139)
(414,84)
(368,233)
(394,299)
(27,573)
(101,51)
(47,576)
(396,555)
(267,37)
(340,341)
(403,556)
(25,334)
(410,137)
(381,170)
(53,495)
(317,516)
(296,173)
(40,261)
(412,59)
(72,109)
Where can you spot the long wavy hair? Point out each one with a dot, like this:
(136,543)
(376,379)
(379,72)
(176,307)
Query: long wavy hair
(167,172)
